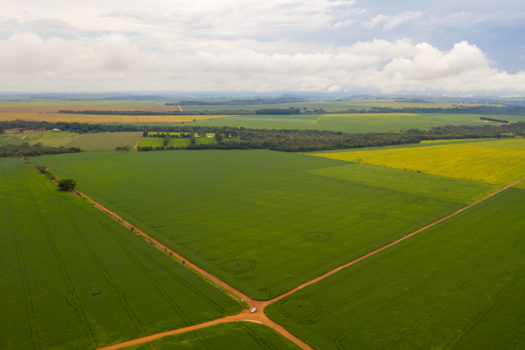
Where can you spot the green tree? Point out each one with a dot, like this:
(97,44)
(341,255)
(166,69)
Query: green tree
(67,185)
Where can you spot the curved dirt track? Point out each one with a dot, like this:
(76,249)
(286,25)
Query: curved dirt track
(258,316)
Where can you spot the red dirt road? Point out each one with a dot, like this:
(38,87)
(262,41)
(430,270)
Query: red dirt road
(244,316)
(164,248)
(329,273)
(258,316)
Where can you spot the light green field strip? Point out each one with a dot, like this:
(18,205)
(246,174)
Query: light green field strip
(104,141)
(262,221)
(497,162)
(74,279)
(352,123)
(151,142)
(421,184)
(174,142)
(231,336)
(458,285)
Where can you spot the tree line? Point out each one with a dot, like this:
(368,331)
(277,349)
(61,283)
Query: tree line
(458,109)
(484,110)
(239,102)
(291,140)
(27,150)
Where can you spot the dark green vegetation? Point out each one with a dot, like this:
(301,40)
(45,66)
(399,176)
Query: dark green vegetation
(231,336)
(466,109)
(66,185)
(280,140)
(263,221)
(74,279)
(239,101)
(278,111)
(493,120)
(32,150)
(460,285)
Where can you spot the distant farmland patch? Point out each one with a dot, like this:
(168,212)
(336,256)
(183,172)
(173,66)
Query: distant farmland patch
(349,122)
(88,118)
(495,161)
(87,142)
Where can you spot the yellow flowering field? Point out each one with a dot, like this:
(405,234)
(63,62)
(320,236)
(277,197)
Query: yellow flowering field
(494,161)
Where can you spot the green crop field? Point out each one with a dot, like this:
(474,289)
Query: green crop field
(78,280)
(174,141)
(326,105)
(151,142)
(494,161)
(459,285)
(264,221)
(103,141)
(353,123)
(231,336)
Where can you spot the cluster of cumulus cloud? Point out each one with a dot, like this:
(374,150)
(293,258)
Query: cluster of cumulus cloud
(115,61)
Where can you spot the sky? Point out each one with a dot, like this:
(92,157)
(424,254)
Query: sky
(454,48)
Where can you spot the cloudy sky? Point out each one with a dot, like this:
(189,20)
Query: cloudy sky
(447,47)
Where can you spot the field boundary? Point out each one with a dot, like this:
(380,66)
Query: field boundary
(255,311)
(397,241)
(258,316)
(137,144)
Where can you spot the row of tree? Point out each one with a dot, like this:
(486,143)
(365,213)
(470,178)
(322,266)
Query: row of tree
(240,101)
(459,109)
(27,150)
(293,140)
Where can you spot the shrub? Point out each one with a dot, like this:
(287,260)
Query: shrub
(67,185)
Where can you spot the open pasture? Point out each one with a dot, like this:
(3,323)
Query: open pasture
(330,106)
(350,122)
(231,336)
(494,161)
(86,142)
(151,142)
(87,103)
(390,122)
(82,106)
(458,285)
(79,280)
(98,118)
(263,221)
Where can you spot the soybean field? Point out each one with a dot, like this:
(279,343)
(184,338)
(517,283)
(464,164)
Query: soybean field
(79,280)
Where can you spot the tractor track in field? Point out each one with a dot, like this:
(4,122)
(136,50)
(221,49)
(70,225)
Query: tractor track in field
(137,144)
(258,315)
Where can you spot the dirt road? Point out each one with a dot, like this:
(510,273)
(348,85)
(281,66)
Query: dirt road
(258,316)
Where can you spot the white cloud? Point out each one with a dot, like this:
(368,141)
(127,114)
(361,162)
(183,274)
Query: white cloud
(115,62)
(26,53)
(390,22)
(247,44)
